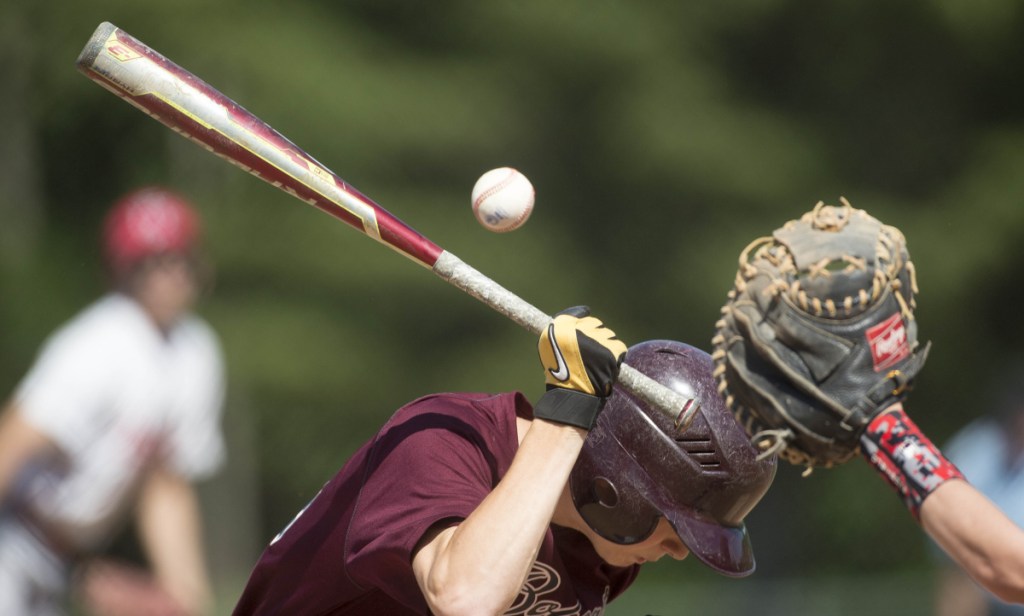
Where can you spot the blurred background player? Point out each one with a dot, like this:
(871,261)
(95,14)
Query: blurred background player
(118,415)
(483,504)
(990,453)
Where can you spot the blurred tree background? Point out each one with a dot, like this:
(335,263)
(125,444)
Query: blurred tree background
(661,138)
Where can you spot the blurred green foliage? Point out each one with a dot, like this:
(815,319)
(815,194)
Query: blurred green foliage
(661,137)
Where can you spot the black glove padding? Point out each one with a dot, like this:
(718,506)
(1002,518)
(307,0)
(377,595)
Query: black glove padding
(581,359)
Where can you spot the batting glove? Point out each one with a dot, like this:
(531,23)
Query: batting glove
(581,359)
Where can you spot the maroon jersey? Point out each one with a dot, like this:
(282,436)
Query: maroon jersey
(350,550)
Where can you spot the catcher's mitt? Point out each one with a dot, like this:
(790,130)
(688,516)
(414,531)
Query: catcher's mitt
(818,335)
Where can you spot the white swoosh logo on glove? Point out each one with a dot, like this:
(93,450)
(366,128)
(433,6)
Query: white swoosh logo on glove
(561,372)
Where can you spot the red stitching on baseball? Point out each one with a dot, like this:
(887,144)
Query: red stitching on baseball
(496,188)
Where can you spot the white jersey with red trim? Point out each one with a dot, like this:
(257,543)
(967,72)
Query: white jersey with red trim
(119,396)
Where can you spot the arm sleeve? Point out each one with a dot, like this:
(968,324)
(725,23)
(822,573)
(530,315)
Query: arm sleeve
(197,448)
(426,471)
(63,394)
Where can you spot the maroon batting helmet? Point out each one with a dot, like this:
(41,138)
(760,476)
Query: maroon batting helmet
(636,467)
(147,222)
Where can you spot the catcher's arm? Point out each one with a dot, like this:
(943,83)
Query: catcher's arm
(979,537)
(965,524)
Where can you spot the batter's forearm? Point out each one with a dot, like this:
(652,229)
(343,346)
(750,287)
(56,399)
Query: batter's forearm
(479,566)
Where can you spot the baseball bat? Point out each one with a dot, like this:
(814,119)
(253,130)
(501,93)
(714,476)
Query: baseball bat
(192,108)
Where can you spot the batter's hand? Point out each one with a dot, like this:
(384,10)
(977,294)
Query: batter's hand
(581,359)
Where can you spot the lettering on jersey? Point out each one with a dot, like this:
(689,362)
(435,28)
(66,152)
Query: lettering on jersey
(534,597)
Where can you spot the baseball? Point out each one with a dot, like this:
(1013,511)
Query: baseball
(502,199)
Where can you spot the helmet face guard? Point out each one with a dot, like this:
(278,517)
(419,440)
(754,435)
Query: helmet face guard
(635,467)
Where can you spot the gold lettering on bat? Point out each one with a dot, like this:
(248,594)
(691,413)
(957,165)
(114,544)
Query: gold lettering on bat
(118,50)
(319,172)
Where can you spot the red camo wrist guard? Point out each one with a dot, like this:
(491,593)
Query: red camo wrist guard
(904,456)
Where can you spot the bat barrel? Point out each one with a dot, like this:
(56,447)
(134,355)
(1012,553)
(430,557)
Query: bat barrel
(194,109)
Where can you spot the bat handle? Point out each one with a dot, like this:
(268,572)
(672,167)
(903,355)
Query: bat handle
(454,270)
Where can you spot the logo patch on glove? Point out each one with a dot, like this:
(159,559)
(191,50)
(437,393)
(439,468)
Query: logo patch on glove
(888,342)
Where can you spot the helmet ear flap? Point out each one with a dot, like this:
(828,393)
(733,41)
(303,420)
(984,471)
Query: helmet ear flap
(600,490)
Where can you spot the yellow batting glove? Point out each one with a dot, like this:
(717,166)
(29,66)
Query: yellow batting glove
(581,359)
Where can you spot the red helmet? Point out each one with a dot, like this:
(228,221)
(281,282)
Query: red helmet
(147,222)
(635,467)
